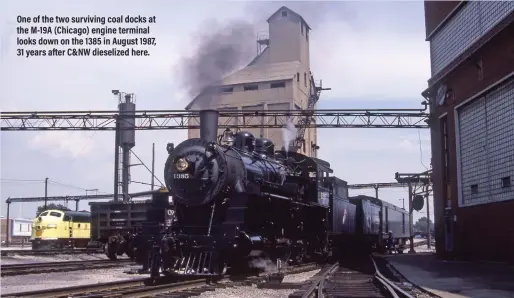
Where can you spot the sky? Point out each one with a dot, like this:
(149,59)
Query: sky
(372,55)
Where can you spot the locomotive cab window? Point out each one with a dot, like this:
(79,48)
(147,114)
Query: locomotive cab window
(44,213)
(56,214)
(67,218)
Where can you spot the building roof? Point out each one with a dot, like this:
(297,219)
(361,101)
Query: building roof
(256,74)
(22,219)
(263,73)
(290,11)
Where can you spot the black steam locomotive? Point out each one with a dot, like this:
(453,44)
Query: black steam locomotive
(238,202)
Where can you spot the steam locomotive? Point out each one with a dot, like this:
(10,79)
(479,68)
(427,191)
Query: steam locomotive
(237,202)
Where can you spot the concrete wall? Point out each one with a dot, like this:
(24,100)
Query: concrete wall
(484,231)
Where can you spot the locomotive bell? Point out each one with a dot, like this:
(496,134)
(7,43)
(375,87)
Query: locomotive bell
(181,164)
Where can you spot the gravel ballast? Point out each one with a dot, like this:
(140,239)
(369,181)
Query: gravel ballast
(34,282)
(253,291)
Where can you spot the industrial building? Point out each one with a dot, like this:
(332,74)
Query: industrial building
(471,90)
(279,78)
(20,229)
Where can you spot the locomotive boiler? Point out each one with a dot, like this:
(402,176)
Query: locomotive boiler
(239,202)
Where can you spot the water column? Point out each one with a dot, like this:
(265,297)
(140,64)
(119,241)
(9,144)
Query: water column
(127,136)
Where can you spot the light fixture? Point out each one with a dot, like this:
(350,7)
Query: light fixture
(181,164)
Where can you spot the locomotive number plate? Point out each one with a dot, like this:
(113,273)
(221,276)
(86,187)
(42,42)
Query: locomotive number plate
(181,176)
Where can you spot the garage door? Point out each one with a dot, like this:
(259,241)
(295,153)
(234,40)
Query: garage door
(486,147)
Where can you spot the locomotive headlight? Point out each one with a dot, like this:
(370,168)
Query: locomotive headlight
(181,164)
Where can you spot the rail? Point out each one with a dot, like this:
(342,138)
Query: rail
(318,286)
(45,267)
(5,252)
(391,287)
(140,287)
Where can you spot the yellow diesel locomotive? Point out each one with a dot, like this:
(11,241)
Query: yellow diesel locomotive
(60,229)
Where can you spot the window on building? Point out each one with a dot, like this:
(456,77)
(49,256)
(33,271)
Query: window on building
(301,26)
(305,79)
(298,77)
(284,13)
(278,85)
(250,87)
(227,90)
(307,34)
(506,182)
(474,188)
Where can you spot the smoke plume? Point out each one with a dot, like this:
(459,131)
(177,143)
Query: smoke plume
(220,51)
(264,264)
(288,134)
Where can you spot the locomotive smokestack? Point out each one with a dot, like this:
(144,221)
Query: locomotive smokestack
(209,125)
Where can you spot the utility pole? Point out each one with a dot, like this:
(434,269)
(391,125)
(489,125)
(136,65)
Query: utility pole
(376,191)
(87,192)
(429,237)
(411,178)
(411,250)
(153,165)
(116,159)
(46,192)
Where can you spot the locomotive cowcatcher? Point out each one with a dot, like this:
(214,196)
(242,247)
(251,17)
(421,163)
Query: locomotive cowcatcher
(238,203)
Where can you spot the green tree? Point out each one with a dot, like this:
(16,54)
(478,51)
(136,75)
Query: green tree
(51,206)
(421,225)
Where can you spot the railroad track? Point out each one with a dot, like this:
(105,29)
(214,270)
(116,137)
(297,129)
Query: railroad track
(140,288)
(356,278)
(22,269)
(50,251)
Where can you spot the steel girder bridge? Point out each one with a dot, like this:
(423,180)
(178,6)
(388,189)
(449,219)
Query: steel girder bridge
(179,119)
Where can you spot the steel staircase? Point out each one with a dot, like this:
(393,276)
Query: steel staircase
(303,123)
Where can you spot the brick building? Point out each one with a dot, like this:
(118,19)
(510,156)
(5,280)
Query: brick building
(20,229)
(471,90)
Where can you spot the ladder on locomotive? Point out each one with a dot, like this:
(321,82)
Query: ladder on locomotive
(303,123)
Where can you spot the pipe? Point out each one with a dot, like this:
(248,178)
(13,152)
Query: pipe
(209,125)
(153,165)
(8,226)
(125,172)
(46,193)
(116,159)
